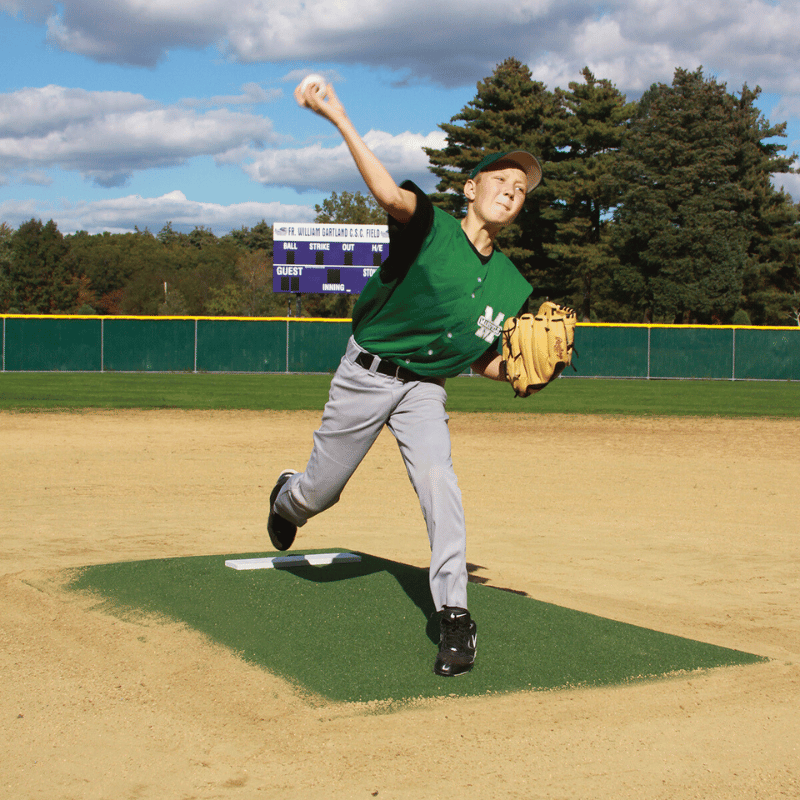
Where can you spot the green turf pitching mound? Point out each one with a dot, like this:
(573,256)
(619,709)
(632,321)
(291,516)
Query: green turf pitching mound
(364,631)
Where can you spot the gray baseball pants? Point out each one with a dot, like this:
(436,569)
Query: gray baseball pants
(360,403)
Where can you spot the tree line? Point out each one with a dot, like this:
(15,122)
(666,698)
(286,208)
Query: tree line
(661,210)
(168,273)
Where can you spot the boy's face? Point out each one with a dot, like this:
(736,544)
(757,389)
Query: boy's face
(498,193)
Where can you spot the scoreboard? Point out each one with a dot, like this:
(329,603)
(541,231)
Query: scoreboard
(326,257)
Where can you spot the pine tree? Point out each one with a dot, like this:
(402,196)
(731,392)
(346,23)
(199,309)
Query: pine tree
(773,272)
(773,282)
(511,111)
(588,137)
(695,169)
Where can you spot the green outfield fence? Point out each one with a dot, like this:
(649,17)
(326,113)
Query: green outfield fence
(34,343)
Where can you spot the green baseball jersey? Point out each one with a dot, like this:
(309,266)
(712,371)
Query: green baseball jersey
(436,304)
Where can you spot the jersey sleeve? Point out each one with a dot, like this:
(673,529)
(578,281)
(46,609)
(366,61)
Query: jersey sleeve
(405,240)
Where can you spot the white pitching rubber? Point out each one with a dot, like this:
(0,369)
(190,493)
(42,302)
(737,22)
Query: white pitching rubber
(287,562)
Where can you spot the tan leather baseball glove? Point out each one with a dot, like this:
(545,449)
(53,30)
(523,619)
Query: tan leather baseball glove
(537,347)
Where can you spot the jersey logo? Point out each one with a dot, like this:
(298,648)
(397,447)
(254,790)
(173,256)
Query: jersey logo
(488,328)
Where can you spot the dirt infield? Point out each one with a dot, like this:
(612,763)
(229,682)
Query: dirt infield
(687,526)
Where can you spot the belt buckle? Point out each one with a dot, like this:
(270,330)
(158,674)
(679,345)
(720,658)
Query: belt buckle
(397,373)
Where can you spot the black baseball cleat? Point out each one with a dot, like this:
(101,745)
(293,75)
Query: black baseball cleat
(457,642)
(281,531)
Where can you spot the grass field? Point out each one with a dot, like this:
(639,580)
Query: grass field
(74,391)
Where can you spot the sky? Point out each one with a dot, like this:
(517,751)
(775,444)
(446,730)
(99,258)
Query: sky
(118,114)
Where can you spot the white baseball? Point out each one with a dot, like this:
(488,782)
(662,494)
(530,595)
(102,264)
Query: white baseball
(313,79)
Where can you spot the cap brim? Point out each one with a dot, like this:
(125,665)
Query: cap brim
(528,164)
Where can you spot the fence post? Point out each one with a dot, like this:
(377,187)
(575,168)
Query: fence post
(649,329)
(102,345)
(195,346)
(287,345)
(4,344)
(733,355)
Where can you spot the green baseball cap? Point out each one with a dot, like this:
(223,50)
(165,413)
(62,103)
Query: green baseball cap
(524,160)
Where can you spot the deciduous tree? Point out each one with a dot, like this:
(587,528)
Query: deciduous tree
(354,208)
(6,287)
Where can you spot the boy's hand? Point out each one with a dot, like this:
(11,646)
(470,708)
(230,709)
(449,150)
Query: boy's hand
(321,100)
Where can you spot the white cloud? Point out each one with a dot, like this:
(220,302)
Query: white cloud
(332,168)
(137,32)
(638,42)
(450,42)
(789,183)
(252,94)
(33,112)
(601,45)
(789,106)
(35,178)
(108,135)
(28,9)
(123,214)
(453,42)
(296,75)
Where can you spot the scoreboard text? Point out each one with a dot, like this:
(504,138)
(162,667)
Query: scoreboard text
(326,257)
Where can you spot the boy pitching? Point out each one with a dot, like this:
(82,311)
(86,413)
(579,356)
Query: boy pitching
(435,307)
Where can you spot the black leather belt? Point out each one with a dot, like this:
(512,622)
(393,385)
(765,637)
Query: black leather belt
(387,368)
